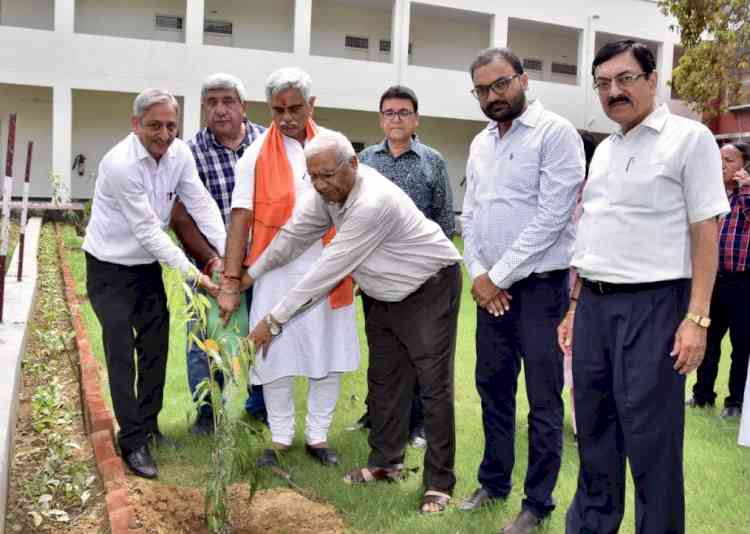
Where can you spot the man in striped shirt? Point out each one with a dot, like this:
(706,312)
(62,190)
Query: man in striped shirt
(216,148)
(732,290)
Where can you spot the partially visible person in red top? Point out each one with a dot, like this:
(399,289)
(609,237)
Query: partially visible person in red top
(732,290)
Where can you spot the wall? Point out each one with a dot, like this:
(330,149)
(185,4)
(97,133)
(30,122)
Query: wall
(547,46)
(332,21)
(443,43)
(37,14)
(258,24)
(33,106)
(134,18)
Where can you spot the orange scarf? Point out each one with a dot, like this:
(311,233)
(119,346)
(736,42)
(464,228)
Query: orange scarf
(274,204)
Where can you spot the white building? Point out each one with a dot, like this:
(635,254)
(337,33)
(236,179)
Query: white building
(70,68)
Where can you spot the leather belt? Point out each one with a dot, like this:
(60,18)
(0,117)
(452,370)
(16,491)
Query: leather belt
(607,288)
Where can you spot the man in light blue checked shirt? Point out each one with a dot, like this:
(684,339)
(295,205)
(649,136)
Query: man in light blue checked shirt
(523,175)
(216,148)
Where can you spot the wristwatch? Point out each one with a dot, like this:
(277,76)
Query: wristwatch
(701,321)
(273,326)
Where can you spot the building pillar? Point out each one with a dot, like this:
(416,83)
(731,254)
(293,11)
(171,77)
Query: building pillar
(191,114)
(65,16)
(400,25)
(302,27)
(499,31)
(62,136)
(194,14)
(664,68)
(586,53)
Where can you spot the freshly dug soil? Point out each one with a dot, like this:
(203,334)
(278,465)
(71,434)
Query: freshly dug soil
(176,510)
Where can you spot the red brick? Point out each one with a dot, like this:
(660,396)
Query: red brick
(101,421)
(117,499)
(111,469)
(103,446)
(123,521)
(116,484)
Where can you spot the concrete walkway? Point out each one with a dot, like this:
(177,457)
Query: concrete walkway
(19,304)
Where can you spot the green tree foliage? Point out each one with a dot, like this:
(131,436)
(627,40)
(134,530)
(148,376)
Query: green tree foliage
(715,35)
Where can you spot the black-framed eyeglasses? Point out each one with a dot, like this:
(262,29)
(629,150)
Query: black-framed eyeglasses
(626,79)
(402,114)
(326,175)
(498,87)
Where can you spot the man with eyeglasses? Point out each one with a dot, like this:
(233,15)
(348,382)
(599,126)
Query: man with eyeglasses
(139,180)
(646,255)
(410,269)
(421,172)
(523,175)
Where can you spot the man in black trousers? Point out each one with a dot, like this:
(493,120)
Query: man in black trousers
(523,176)
(646,255)
(139,180)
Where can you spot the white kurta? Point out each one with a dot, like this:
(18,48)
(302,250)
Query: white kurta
(319,340)
(745,424)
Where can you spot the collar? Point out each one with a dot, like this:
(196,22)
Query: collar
(251,133)
(141,153)
(414,146)
(530,118)
(654,120)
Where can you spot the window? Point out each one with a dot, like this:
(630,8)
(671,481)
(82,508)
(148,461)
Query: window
(562,68)
(360,43)
(358,146)
(168,22)
(220,27)
(385,45)
(532,64)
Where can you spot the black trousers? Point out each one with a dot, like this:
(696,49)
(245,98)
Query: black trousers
(629,406)
(528,332)
(416,414)
(414,341)
(131,306)
(730,310)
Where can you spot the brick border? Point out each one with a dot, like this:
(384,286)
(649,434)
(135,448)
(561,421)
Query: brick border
(99,422)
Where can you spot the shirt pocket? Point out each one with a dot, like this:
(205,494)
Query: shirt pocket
(523,166)
(638,185)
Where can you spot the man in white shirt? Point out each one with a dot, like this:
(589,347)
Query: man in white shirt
(646,253)
(125,243)
(409,268)
(523,175)
(270,180)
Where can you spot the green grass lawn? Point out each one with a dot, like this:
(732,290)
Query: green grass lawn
(717,471)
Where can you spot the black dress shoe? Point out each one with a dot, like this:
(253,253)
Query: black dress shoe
(526,522)
(204,426)
(731,411)
(268,458)
(478,499)
(692,402)
(324,455)
(140,462)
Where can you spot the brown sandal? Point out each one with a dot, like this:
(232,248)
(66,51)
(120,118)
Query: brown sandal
(438,498)
(366,475)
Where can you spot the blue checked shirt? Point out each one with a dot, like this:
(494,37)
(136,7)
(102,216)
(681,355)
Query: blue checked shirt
(216,164)
(422,174)
(521,192)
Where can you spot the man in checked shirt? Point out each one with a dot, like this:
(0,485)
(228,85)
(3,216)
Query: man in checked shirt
(421,172)
(216,149)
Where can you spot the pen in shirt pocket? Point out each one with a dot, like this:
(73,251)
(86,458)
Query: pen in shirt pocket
(630,161)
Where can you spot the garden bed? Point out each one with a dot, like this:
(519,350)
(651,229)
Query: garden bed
(53,483)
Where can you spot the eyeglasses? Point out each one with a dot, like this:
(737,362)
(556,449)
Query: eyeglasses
(157,126)
(498,87)
(402,114)
(325,176)
(624,80)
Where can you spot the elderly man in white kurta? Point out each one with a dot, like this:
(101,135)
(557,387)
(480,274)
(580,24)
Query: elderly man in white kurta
(320,343)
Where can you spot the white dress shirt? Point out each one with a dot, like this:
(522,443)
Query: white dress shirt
(644,190)
(382,239)
(521,191)
(133,202)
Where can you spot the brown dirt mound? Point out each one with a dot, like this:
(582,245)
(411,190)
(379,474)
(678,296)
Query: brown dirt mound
(174,510)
